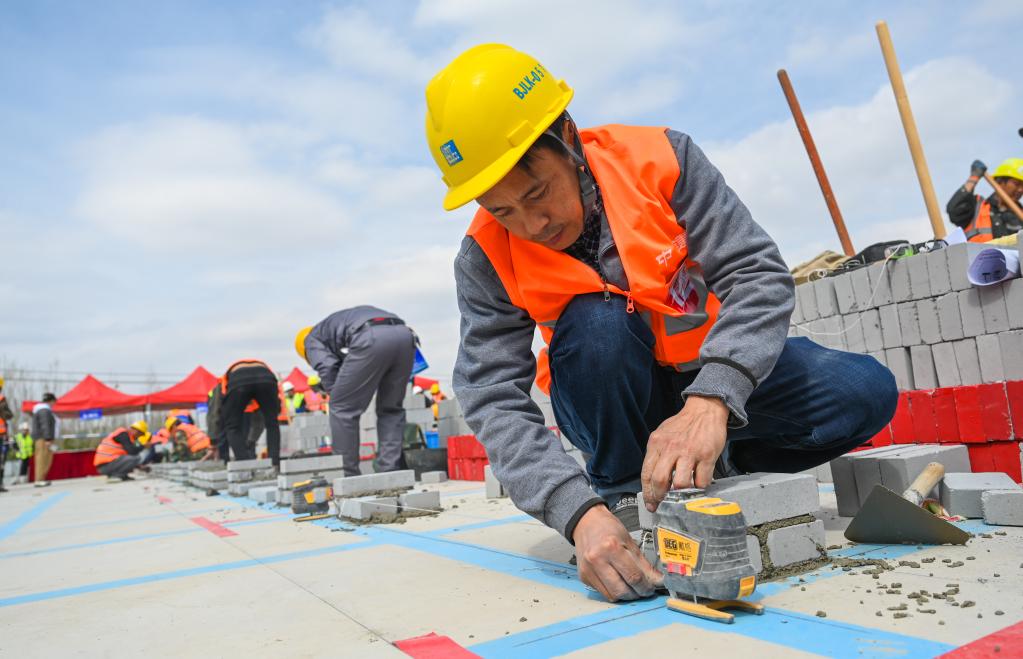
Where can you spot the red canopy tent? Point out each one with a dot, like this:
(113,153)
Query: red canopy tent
(195,388)
(92,394)
(425,383)
(298,379)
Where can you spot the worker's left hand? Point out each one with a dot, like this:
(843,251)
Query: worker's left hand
(686,445)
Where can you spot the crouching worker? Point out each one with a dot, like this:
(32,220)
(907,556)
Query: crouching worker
(122,451)
(190,443)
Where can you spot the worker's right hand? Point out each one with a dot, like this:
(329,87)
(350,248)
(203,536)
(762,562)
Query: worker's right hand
(608,559)
(978,169)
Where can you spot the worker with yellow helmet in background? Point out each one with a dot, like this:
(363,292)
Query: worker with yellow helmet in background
(664,306)
(123,451)
(986,219)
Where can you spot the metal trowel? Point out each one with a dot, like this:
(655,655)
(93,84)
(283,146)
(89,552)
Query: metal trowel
(887,518)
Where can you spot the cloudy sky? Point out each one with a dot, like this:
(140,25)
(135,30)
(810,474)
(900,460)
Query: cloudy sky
(191,182)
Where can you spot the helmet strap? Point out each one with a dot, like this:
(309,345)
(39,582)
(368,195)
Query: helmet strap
(589,191)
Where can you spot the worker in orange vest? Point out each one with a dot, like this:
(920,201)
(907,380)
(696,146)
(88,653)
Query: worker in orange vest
(664,306)
(190,442)
(122,451)
(986,219)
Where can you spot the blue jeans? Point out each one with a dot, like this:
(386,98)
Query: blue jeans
(609,394)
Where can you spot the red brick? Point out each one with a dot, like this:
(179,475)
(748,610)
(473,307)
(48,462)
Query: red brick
(995,412)
(1014,392)
(968,411)
(882,438)
(980,458)
(1005,457)
(921,409)
(945,417)
(902,422)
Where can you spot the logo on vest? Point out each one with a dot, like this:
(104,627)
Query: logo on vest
(450,153)
(529,81)
(682,294)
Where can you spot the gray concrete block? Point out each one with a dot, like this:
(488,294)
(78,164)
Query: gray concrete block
(898,274)
(1011,344)
(433,477)
(823,473)
(824,291)
(249,465)
(937,272)
(922,360)
(967,361)
(901,367)
(959,258)
(767,497)
(797,543)
(310,465)
(493,486)
(891,332)
(989,353)
(419,501)
(1002,507)
(423,417)
(267,494)
(899,469)
(992,304)
(961,493)
(909,324)
(287,481)
(448,408)
(873,338)
(356,486)
(854,339)
(844,477)
(862,288)
(807,301)
(797,311)
(945,364)
(927,317)
(880,284)
(284,498)
(844,293)
(646,518)
(1014,301)
(363,508)
(950,319)
(753,547)
(834,332)
(919,277)
(971,312)
(452,427)
(239,476)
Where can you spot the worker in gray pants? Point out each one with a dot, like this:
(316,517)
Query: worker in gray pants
(357,353)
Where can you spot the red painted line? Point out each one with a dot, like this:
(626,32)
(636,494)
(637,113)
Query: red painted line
(1003,643)
(163,500)
(432,646)
(213,527)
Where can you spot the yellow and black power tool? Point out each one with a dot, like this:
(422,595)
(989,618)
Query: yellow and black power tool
(700,544)
(312,499)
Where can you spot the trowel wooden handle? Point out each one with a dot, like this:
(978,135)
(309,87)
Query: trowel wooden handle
(925,482)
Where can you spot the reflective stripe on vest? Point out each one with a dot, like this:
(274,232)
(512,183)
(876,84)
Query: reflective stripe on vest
(636,169)
(979,230)
(196,438)
(109,449)
(223,378)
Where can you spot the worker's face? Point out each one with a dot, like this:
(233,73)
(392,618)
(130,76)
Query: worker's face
(1013,187)
(541,204)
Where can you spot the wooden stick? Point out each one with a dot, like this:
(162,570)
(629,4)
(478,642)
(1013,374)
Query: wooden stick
(815,162)
(1004,196)
(923,174)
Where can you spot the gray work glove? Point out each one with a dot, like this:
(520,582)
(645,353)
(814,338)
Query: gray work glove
(978,169)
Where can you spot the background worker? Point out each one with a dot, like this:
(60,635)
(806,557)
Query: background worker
(294,400)
(6,416)
(245,382)
(664,306)
(357,353)
(24,446)
(986,219)
(122,451)
(44,429)
(190,442)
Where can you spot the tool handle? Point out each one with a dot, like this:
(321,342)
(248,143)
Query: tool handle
(1006,199)
(925,482)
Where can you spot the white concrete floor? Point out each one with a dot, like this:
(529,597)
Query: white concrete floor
(96,569)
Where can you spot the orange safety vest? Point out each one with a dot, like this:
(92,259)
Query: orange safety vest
(162,436)
(253,405)
(979,230)
(636,169)
(109,449)
(3,422)
(196,438)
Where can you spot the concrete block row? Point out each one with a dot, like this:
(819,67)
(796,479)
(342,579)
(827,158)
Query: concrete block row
(318,463)
(355,486)
(961,493)
(797,543)
(249,465)
(494,488)
(287,481)
(1002,507)
(363,508)
(263,494)
(433,477)
(419,501)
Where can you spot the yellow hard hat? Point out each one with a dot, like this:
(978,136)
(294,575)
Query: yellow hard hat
(434,388)
(143,428)
(300,341)
(483,111)
(1,382)
(1011,168)
(169,423)
(313,380)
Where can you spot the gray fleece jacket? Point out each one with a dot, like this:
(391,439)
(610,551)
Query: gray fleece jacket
(495,368)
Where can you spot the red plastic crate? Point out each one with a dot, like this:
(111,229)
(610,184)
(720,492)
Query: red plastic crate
(969,414)
(466,469)
(465,446)
(1014,392)
(921,409)
(945,419)
(902,422)
(994,409)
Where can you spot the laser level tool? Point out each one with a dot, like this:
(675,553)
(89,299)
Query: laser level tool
(700,544)
(312,499)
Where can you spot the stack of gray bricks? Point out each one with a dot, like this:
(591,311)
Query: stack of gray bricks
(243,475)
(895,467)
(209,480)
(298,470)
(305,433)
(450,422)
(921,317)
(769,499)
(389,493)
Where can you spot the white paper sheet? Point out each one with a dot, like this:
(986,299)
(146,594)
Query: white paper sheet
(993,265)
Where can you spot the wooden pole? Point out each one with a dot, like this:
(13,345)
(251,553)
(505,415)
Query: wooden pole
(1003,195)
(923,174)
(815,162)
